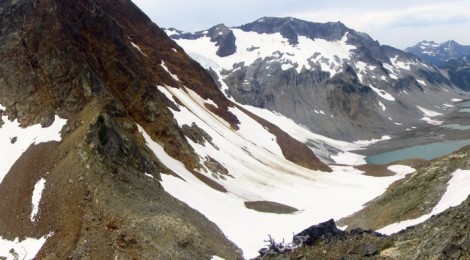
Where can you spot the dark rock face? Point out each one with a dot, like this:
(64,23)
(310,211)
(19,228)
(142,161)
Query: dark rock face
(326,231)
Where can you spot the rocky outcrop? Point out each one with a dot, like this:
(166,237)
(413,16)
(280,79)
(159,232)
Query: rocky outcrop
(326,231)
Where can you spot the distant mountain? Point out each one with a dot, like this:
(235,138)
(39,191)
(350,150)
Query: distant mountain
(459,71)
(439,53)
(332,79)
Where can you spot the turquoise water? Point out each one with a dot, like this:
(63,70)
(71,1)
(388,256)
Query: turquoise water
(465,110)
(457,127)
(465,104)
(427,151)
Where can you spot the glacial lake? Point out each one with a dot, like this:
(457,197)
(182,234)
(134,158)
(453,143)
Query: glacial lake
(427,151)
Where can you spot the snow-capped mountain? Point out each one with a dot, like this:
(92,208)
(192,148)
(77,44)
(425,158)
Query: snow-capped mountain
(334,80)
(439,53)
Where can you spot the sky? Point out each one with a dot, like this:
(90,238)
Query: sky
(400,24)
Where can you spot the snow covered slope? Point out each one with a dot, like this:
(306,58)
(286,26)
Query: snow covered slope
(14,140)
(252,169)
(334,80)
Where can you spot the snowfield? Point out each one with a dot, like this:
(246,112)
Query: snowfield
(259,172)
(252,46)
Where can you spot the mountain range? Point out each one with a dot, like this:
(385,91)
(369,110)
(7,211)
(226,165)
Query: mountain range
(336,81)
(449,56)
(116,143)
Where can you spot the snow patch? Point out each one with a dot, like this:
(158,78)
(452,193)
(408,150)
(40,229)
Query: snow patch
(421,82)
(349,158)
(400,64)
(372,141)
(167,70)
(148,175)
(428,112)
(36,198)
(138,48)
(382,106)
(26,249)
(401,170)
(382,93)
(431,121)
